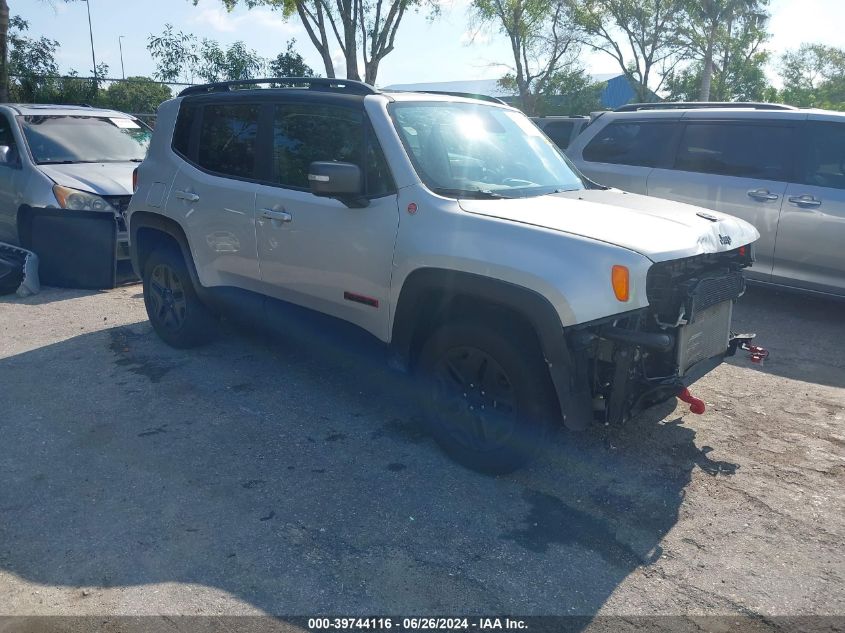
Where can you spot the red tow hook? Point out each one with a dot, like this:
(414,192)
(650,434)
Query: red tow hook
(696,405)
(756,354)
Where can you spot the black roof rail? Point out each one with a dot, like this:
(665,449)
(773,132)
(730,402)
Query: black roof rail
(466,95)
(325,84)
(695,105)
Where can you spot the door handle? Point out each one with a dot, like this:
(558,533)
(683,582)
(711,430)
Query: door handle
(805,201)
(762,194)
(279,216)
(186,195)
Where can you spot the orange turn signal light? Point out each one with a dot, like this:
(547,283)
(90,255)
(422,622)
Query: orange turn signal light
(620,280)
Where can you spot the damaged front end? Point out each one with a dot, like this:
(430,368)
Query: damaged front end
(636,360)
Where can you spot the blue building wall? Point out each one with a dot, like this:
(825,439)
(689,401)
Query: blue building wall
(617,92)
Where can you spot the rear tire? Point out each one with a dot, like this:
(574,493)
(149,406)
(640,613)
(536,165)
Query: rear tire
(175,312)
(488,396)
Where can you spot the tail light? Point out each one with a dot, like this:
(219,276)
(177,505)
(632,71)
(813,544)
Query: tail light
(134,180)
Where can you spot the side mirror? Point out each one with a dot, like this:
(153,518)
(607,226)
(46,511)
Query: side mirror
(7,155)
(337,180)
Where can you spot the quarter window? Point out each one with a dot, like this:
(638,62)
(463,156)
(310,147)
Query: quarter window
(183,128)
(745,151)
(639,143)
(228,139)
(824,160)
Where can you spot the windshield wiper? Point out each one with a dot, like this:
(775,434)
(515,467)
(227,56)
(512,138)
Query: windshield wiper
(66,162)
(480,194)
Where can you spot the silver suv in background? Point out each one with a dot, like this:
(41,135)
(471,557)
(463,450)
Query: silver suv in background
(778,167)
(65,185)
(561,129)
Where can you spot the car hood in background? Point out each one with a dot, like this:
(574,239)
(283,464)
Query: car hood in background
(104,179)
(657,228)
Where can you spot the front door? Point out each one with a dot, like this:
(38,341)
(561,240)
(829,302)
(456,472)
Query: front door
(317,252)
(810,249)
(738,168)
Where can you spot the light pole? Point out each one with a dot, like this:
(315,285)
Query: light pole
(120,44)
(91,33)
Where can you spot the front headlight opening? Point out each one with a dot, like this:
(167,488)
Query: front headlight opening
(76,200)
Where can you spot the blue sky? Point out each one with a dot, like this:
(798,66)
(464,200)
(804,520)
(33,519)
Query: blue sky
(442,50)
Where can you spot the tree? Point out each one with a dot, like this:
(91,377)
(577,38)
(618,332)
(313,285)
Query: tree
(814,76)
(136,94)
(737,62)
(361,28)
(175,55)
(290,63)
(233,63)
(32,65)
(4,51)
(641,35)
(541,42)
(708,29)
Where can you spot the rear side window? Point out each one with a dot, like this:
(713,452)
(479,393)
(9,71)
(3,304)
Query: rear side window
(182,131)
(640,143)
(228,139)
(824,156)
(560,132)
(729,149)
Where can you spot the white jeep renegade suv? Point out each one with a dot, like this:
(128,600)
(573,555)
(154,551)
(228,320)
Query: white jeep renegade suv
(450,229)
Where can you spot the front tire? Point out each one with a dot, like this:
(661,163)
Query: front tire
(488,395)
(175,312)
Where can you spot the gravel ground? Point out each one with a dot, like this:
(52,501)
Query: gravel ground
(257,476)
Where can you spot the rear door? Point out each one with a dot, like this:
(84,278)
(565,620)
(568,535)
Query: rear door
(737,167)
(623,153)
(213,194)
(314,251)
(810,247)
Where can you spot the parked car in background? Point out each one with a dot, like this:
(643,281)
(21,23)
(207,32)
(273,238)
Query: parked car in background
(450,229)
(780,168)
(561,129)
(65,185)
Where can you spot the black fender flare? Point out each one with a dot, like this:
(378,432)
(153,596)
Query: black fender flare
(533,306)
(146,220)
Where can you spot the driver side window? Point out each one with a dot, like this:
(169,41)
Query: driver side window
(824,158)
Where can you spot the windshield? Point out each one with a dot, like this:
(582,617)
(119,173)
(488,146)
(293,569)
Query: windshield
(85,139)
(473,150)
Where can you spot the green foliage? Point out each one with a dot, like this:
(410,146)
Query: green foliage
(737,57)
(290,63)
(571,92)
(179,56)
(814,76)
(233,63)
(364,29)
(32,64)
(641,35)
(136,94)
(723,39)
(542,45)
(175,55)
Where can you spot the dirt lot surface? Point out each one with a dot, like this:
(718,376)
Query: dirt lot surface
(258,476)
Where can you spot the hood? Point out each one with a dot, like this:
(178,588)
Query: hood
(657,228)
(104,179)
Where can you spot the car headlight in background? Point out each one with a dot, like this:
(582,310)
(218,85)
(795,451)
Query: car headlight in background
(77,200)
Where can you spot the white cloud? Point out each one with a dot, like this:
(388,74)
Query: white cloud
(242,22)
